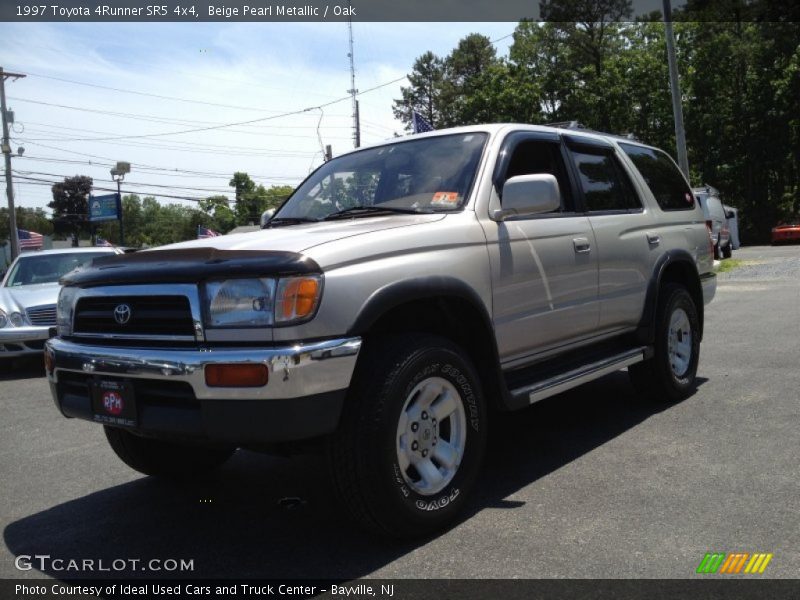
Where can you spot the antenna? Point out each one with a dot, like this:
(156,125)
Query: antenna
(353,91)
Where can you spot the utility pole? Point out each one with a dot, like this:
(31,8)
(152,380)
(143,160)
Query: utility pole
(675,88)
(353,91)
(6,146)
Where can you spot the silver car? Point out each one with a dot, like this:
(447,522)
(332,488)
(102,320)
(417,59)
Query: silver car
(28,296)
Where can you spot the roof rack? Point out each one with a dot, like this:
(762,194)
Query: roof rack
(577,125)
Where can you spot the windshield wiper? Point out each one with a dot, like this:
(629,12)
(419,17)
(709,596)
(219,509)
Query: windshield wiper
(287,221)
(366,210)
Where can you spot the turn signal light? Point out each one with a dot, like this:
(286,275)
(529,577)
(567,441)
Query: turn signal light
(235,375)
(296,299)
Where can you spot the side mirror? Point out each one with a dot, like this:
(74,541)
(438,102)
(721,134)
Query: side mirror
(528,195)
(266,216)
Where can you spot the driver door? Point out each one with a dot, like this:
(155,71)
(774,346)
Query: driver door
(544,267)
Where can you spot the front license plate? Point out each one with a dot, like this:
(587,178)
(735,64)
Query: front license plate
(113,402)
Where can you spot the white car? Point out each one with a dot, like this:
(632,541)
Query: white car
(28,295)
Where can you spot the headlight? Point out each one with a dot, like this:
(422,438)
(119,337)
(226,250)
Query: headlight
(64,310)
(261,302)
(240,302)
(16,319)
(3,319)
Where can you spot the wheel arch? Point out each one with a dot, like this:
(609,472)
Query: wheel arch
(675,266)
(443,306)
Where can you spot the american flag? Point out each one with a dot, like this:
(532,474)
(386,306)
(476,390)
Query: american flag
(103,242)
(29,240)
(419,124)
(205,232)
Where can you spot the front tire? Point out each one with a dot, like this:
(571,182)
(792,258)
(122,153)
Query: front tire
(412,436)
(669,375)
(164,458)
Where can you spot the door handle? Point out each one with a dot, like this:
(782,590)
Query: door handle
(582,245)
(653,239)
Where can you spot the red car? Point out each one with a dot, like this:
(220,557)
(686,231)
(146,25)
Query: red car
(786,233)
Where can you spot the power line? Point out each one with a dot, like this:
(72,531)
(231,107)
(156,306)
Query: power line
(194,149)
(148,94)
(46,182)
(132,183)
(213,127)
(167,171)
(160,119)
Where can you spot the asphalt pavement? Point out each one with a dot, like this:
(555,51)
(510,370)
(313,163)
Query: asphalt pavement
(594,483)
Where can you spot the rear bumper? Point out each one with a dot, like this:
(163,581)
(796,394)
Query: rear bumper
(708,282)
(302,399)
(21,341)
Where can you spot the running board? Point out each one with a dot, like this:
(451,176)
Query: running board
(578,376)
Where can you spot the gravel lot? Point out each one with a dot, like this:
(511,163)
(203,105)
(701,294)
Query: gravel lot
(592,483)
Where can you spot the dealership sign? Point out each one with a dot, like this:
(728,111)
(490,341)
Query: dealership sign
(104,208)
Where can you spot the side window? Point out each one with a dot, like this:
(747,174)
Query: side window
(539,157)
(605,185)
(662,177)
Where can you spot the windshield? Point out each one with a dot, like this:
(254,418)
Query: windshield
(48,268)
(422,175)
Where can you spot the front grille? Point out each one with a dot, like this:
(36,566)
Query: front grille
(44,316)
(148,315)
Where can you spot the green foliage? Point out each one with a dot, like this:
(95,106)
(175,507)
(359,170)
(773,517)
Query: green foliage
(252,200)
(424,93)
(740,82)
(30,219)
(70,204)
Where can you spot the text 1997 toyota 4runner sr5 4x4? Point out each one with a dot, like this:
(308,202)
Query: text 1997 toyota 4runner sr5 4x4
(398,297)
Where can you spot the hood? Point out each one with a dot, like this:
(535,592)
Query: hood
(28,296)
(264,253)
(296,238)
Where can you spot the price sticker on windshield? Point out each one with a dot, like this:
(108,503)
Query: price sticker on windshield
(446,199)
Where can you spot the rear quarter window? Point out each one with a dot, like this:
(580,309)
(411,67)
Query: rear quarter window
(662,177)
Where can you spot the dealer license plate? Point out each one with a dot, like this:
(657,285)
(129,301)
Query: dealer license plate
(113,402)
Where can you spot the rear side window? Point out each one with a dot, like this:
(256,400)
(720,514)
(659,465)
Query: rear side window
(662,177)
(605,186)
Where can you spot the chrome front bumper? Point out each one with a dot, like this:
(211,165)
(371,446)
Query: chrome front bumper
(295,371)
(20,341)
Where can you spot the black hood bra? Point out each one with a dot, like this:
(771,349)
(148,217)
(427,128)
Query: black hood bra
(189,265)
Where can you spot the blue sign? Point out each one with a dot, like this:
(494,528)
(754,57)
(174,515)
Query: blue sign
(104,208)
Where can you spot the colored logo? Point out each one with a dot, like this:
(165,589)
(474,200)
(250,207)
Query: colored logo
(734,563)
(112,402)
(122,314)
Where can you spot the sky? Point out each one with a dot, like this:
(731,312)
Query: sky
(172,77)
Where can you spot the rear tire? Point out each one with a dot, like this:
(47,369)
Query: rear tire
(669,375)
(164,458)
(412,436)
(727,251)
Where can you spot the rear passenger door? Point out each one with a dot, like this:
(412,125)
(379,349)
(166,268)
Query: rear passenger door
(627,246)
(544,267)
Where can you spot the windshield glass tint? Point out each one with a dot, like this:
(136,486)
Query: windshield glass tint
(427,174)
(48,268)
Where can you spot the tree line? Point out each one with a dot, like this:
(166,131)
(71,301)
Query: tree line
(739,74)
(148,222)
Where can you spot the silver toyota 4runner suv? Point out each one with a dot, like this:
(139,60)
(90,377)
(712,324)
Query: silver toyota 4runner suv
(399,297)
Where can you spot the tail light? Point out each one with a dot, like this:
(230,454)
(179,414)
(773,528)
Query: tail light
(710,239)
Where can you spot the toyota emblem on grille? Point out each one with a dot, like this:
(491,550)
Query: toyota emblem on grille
(122,314)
